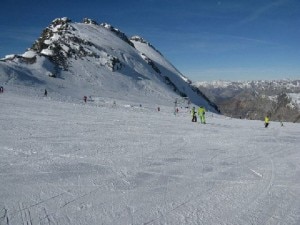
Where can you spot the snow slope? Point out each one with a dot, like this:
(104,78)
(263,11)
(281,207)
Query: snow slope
(69,163)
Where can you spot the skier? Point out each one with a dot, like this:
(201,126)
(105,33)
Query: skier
(84,98)
(45,93)
(201,113)
(267,121)
(193,113)
(1,89)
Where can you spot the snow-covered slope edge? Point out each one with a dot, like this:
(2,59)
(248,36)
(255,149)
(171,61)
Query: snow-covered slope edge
(77,59)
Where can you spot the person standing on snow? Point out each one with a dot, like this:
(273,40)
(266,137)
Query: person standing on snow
(201,114)
(193,113)
(267,121)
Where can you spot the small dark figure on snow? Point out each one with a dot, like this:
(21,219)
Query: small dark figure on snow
(194,115)
(1,89)
(45,93)
(84,98)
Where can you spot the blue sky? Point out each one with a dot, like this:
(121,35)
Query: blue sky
(203,39)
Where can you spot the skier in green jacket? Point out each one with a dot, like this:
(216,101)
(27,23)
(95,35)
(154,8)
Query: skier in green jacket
(267,121)
(201,113)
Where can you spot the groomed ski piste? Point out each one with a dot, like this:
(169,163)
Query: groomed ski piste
(66,162)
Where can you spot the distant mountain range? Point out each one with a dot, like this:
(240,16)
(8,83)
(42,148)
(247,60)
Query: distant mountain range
(87,58)
(254,99)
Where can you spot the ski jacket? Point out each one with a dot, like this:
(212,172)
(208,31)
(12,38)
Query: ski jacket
(267,120)
(201,111)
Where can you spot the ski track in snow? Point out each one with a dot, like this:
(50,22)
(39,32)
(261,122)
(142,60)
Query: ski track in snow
(73,163)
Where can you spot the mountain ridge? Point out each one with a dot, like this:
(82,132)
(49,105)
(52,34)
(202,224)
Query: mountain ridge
(254,99)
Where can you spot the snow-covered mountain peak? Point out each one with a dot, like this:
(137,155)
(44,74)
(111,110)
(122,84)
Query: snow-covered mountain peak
(60,21)
(90,58)
(63,40)
(90,21)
